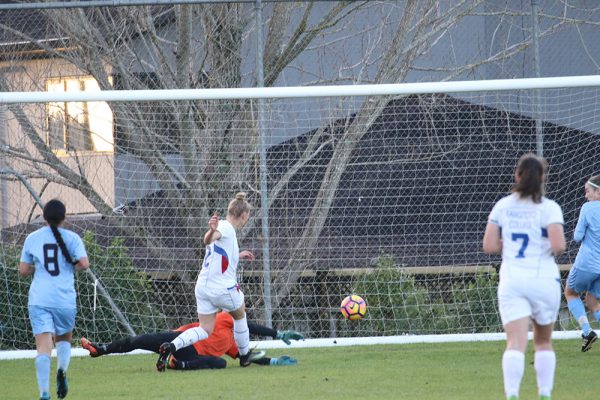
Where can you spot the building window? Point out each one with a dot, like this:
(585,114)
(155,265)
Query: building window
(78,126)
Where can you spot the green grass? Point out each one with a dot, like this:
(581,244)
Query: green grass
(442,371)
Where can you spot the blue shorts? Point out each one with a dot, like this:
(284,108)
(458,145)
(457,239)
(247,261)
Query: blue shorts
(54,320)
(584,281)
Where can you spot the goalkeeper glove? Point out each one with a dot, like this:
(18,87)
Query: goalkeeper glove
(287,335)
(284,360)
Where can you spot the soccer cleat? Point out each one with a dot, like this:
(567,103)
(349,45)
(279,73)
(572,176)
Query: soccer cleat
(247,359)
(62,386)
(164,351)
(588,340)
(45,396)
(91,347)
(171,362)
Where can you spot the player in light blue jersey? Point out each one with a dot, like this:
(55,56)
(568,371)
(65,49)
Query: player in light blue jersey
(217,287)
(585,272)
(52,254)
(527,229)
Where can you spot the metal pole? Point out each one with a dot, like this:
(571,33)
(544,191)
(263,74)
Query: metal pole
(264,194)
(3,165)
(111,302)
(539,129)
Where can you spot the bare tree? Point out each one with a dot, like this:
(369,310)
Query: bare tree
(206,46)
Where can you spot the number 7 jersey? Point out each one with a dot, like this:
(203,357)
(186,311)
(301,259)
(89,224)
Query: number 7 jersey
(526,250)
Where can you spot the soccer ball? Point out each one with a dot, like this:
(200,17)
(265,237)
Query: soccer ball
(353,307)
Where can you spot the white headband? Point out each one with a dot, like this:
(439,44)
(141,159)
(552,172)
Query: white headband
(593,185)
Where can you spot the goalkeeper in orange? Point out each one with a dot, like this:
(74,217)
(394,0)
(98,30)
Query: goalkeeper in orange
(205,354)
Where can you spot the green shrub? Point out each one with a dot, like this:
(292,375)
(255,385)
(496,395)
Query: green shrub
(400,303)
(130,290)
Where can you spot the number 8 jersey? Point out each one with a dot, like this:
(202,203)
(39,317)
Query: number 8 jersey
(526,251)
(53,282)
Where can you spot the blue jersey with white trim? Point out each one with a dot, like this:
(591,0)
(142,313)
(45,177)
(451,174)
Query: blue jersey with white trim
(526,250)
(219,268)
(53,283)
(588,233)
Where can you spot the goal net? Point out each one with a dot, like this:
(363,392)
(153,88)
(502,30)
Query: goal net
(382,195)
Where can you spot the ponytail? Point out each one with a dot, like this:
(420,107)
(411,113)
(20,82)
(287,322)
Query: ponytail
(239,205)
(54,214)
(530,171)
(61,243)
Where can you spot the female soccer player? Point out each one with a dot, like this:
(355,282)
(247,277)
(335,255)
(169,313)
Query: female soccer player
(52,254)
(527,229)
(585,273)
(205,354)
(217,287)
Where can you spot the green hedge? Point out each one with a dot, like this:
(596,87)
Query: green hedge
(400,303)
(131,291)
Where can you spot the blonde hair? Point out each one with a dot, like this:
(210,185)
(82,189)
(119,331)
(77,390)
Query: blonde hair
(239,205)
(594,182)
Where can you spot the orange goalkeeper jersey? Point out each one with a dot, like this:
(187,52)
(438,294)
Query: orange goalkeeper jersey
(220,340)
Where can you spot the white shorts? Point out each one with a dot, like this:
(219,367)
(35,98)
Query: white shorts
(213,300)
(535,298)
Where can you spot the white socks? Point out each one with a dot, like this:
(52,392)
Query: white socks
(545,364)
(189,337)
(513,366)
(241,334)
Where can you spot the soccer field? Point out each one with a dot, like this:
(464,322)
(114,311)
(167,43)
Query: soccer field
(418,371)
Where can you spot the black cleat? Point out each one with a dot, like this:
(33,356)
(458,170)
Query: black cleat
(251,356)
(62,386)
(588,340)
(164,351)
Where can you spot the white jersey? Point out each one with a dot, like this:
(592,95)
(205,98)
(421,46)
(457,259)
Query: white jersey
(526,250)
(219,268)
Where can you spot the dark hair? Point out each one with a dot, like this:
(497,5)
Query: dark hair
(530,170)
(54,214)
(239,205)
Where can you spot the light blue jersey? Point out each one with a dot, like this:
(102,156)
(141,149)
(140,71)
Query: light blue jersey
(53,282)
(588,233)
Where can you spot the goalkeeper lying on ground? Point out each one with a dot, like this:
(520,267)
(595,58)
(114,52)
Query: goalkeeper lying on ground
(205,354)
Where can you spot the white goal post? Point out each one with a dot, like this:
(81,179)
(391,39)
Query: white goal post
(378,190)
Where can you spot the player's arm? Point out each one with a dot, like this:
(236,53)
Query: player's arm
(246,255)
(82,264)
(261,330)
(492,243)
(212,233)
(78,253)
(556,232)
(26,269)
(26,266)
(581,227)
(556,236)
(286,336)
